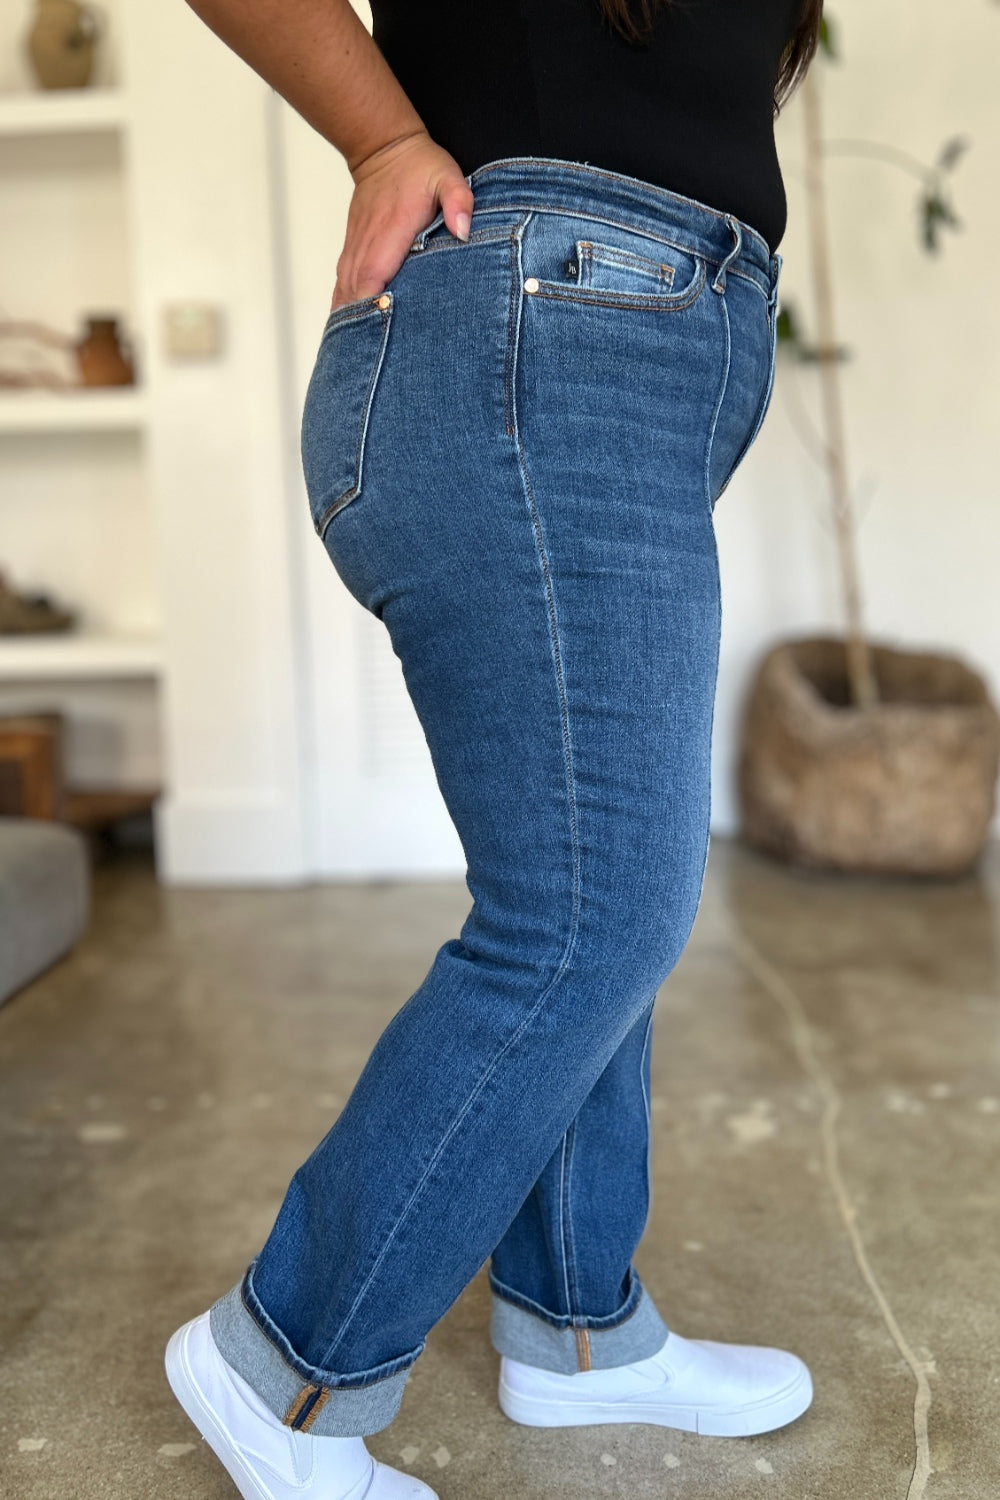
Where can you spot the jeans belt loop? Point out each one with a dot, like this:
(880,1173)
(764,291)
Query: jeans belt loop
(719,284)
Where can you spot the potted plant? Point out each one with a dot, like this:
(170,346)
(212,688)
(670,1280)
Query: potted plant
(857,755)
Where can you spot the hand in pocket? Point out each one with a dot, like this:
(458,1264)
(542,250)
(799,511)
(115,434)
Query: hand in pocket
(397,192)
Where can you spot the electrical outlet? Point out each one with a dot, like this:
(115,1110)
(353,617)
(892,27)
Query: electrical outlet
(192,330)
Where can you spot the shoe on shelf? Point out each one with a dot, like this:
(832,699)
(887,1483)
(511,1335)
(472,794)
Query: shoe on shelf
(721,1390)
(27,614)
(265,1459)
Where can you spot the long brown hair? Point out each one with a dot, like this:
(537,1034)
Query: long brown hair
(795,60)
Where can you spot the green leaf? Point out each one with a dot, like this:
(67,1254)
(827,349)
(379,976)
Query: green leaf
(951,151)
(829,40)
(935,213)
(789,332)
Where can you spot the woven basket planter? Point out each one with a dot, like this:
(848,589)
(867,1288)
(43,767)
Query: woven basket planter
(904,787)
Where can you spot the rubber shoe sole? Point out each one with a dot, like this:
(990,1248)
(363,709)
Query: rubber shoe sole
(747,1419)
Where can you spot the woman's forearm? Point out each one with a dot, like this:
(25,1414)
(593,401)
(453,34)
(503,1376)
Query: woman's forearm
(319,55)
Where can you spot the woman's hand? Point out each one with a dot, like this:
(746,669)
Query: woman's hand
(397,192)
(321,57)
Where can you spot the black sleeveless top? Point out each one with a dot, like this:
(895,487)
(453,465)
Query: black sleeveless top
(691,111)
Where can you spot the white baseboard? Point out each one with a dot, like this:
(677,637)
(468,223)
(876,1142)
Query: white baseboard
(234,838)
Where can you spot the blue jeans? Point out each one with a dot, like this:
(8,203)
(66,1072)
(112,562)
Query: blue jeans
(512,457)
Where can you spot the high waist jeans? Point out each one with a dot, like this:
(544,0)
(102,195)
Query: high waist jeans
(512,456)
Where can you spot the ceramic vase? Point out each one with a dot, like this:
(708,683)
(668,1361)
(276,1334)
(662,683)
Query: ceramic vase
(103,356)
(61,43)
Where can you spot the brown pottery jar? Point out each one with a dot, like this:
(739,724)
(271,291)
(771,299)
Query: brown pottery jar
(61,43)
(103,356)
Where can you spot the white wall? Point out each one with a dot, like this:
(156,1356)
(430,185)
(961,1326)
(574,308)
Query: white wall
(923,391)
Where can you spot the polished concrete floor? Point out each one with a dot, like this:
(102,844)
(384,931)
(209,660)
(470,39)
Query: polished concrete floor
(826,1103)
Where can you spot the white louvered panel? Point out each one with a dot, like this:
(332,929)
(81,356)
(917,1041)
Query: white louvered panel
(391,741)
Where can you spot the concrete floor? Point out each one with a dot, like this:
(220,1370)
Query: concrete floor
(827,1117)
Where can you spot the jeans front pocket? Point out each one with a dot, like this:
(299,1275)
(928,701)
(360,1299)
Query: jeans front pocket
(338,404)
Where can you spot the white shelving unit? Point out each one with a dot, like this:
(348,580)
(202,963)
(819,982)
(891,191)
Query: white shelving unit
(84,410)
(65,656)
(63,110)
(73,463)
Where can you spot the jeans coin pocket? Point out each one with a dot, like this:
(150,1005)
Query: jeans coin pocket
(625,270)
(338,404)
(617,269)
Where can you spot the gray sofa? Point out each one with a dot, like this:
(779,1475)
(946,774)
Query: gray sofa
(44,897)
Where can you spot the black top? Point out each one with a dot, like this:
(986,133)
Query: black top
(692,111)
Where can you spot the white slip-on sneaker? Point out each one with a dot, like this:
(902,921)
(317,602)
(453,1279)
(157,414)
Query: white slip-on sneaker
(265,1459)
(721,1390)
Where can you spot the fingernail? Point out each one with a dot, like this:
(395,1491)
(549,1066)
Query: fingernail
(464,223)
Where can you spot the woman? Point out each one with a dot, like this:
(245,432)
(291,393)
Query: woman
(551,343)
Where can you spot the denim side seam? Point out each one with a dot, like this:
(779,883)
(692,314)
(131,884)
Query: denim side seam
(303,1397)
(645,1094)
(723,388)
(555,641)
(566,1244)
(523,1331)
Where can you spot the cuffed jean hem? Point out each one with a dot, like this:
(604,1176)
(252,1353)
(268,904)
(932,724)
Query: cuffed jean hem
(303,1397)
(567,1345)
